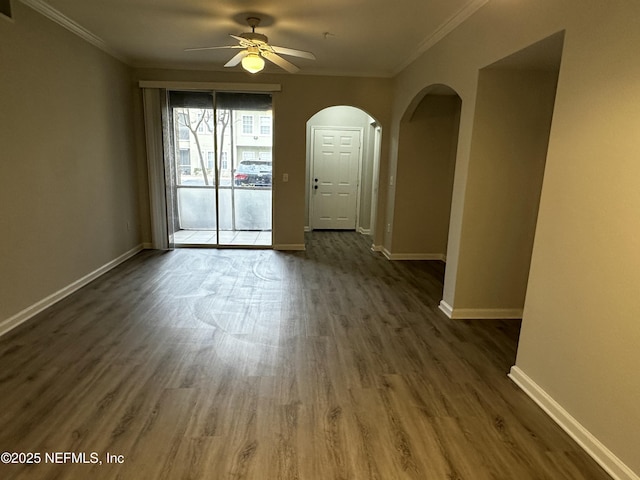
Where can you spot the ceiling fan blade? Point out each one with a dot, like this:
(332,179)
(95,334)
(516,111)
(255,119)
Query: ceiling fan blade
(236,59)
(211,48)
(281,62)
(240,39)
(294,53)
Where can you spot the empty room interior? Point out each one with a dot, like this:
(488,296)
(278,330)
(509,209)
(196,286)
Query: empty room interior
(285,240)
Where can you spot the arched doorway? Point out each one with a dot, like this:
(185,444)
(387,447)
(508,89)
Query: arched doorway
(427,148)
(512,116)
(345,141)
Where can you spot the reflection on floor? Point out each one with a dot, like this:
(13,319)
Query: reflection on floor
(189,238)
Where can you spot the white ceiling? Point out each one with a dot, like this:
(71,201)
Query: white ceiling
(348,37)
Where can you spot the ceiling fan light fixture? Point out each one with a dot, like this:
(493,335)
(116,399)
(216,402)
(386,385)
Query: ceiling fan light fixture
(255,48)
(253,63)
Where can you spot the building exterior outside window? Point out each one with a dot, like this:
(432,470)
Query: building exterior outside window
(240,134)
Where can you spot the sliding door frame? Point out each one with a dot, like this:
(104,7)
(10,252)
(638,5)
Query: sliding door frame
(221,137)
(159,183)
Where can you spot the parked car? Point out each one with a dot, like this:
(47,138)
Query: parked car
(253,173)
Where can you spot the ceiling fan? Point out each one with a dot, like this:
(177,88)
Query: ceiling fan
(255,47)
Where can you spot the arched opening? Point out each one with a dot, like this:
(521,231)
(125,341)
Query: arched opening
(427,148)
(343,163)
(511,127)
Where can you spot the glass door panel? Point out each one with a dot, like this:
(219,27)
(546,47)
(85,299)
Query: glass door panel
(244,140)
(195,173)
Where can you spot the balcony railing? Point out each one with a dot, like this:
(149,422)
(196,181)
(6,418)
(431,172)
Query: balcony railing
(241,207)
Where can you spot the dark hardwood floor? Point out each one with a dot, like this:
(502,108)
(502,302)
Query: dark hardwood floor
(332,363)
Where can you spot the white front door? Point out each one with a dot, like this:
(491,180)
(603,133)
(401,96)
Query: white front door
(334,179)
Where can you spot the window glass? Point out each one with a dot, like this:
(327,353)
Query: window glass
(247,124)
(265,125)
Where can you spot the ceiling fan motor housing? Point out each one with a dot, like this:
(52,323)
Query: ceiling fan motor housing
(254,37)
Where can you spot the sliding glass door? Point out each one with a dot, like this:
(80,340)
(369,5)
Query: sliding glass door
(222,177)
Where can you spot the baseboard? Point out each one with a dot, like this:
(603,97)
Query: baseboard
(376,248)
(363,231)
(587,441)
(446,308)
(29,312)
(480,313)
(413,256)
(290,246)
(416,256)
(147,246)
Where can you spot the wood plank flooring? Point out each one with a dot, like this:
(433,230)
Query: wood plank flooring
(332,363)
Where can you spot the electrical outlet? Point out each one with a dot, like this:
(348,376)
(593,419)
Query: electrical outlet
(388,228)
(285,177)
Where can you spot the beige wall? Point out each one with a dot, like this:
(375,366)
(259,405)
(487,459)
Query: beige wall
(68,168)
(508,152)
(424,178)
(580,332)
(301,97)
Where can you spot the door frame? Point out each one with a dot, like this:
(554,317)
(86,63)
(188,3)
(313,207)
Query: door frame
(312,140)
(375,180)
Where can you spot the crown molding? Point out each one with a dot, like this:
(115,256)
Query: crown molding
(446,28)
(58,17)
